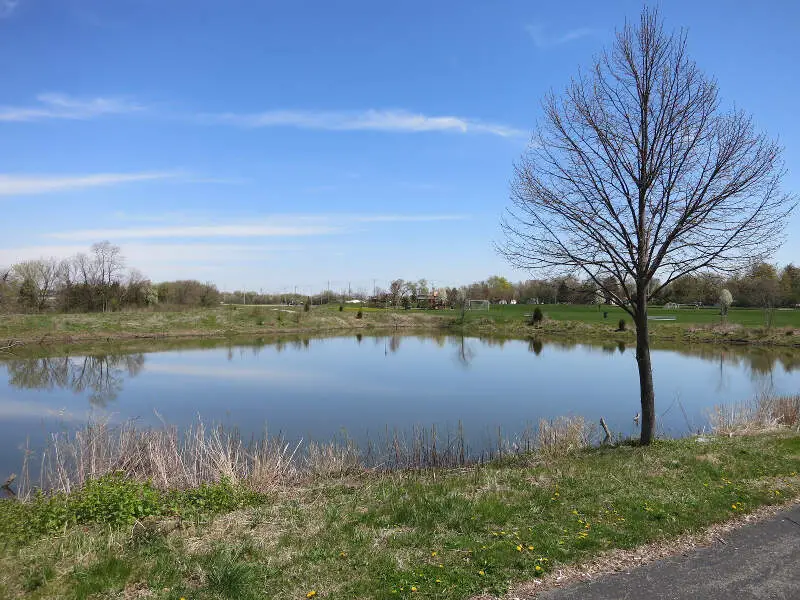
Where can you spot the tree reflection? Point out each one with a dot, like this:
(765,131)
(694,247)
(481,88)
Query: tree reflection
(464,353)
(535,345)
(101,376)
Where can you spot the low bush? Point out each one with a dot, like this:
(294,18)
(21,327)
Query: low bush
(621,325)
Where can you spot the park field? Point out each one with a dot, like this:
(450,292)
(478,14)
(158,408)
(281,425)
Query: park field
(777,327)
(746,317)
(477,532)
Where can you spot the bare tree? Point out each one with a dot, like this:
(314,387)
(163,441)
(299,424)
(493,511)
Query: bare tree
(108,267)
(638,172)
(42,276)
(396,290)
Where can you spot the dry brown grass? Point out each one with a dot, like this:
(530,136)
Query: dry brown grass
(171,459)
(563,434)
(765,412)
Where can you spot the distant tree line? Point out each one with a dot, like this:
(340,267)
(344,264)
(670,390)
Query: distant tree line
(95,281)
(99,280)
(761,285)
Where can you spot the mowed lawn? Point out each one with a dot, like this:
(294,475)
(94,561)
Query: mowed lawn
(748,317)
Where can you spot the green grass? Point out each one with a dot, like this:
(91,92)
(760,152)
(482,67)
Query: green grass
(447,534)
(747,317)
(703,325)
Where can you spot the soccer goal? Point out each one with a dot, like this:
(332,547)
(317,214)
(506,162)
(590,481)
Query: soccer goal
(477,305)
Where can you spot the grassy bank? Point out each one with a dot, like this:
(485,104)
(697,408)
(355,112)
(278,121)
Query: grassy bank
(424,534)
(742,326)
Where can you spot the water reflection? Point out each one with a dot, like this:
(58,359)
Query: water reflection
(464,352)
(101,377)
(313,388)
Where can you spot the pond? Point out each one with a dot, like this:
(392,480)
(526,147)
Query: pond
(365,387)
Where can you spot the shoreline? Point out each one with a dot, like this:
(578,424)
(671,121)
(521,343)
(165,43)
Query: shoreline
(49,330)
(482,531)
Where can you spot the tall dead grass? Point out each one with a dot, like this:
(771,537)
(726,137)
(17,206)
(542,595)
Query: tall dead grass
(562,435)
(171,458)
(765,412)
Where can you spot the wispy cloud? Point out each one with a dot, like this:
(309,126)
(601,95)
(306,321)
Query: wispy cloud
(7,8)
(274,226)
(19,185)
(369,120)
(62,106)
(545,39)
(408,218)
(152,255)
(198,231)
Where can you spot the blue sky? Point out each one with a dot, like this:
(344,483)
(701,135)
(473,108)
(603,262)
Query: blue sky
(274,144)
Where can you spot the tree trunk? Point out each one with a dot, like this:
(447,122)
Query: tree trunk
(646,391)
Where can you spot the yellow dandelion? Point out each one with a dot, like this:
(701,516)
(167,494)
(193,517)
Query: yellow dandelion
(441,566)
(433,553)
(538,568)
(438,581)
(413,589)
(311,594)
(481,572)
(530,547)
(519,548)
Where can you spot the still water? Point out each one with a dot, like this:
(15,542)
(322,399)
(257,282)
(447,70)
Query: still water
(317,389)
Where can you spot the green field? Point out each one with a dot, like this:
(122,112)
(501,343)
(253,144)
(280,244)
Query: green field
(752,326)
(747,317)
(432,534)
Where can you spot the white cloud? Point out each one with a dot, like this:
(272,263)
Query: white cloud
(408,218)
(198,231)
(147,256)
(61,106)
(275,226)
(7,8)
(544,39)
(19,185)
(369,120)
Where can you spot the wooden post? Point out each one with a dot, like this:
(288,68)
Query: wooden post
(605,428)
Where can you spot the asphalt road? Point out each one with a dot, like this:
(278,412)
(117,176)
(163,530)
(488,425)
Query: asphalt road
(761,560)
